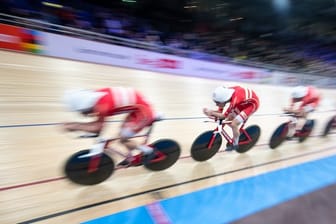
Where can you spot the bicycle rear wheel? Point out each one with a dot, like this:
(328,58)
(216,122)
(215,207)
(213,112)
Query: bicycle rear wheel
(306,130)
(328,127)
(170,149)
(254,132)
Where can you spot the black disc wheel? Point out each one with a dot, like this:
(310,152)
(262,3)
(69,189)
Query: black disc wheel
(306,130)
(169,150)
(329,126)
(279,135)
(89,170)
(254,133)
(205,146)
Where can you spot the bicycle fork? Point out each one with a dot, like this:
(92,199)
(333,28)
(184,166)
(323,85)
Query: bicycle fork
(215,133)
(95,154)
(291,127)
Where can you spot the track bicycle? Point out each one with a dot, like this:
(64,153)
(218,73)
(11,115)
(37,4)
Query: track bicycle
(95,165)
(282,132)
(207,144)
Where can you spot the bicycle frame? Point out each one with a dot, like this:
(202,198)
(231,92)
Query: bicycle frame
(220,130)
(102,145)
(293,120)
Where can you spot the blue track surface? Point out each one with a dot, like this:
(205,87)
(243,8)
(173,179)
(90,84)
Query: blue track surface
(231,201)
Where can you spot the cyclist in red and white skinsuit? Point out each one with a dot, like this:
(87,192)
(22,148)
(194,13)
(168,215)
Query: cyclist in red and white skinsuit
(308,99)
(243,103)
(305,99)
(106,102)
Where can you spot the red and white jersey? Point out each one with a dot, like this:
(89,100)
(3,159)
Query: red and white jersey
(311,99)
(241,98)
(119,100)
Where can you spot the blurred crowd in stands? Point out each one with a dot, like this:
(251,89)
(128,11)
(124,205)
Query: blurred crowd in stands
(307,54)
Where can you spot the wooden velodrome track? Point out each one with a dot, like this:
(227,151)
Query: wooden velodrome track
(33,147)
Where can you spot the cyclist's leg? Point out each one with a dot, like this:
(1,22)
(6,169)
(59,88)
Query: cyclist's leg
(243,113)
(307,110)
(235,130)
(133,124)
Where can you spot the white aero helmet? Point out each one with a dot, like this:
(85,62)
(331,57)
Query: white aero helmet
(81,100)
(299,92)
(222,94)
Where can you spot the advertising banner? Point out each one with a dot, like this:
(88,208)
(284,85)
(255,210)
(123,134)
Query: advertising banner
(20,39)
(55,45)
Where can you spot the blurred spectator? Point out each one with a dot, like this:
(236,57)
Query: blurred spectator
(305,48)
